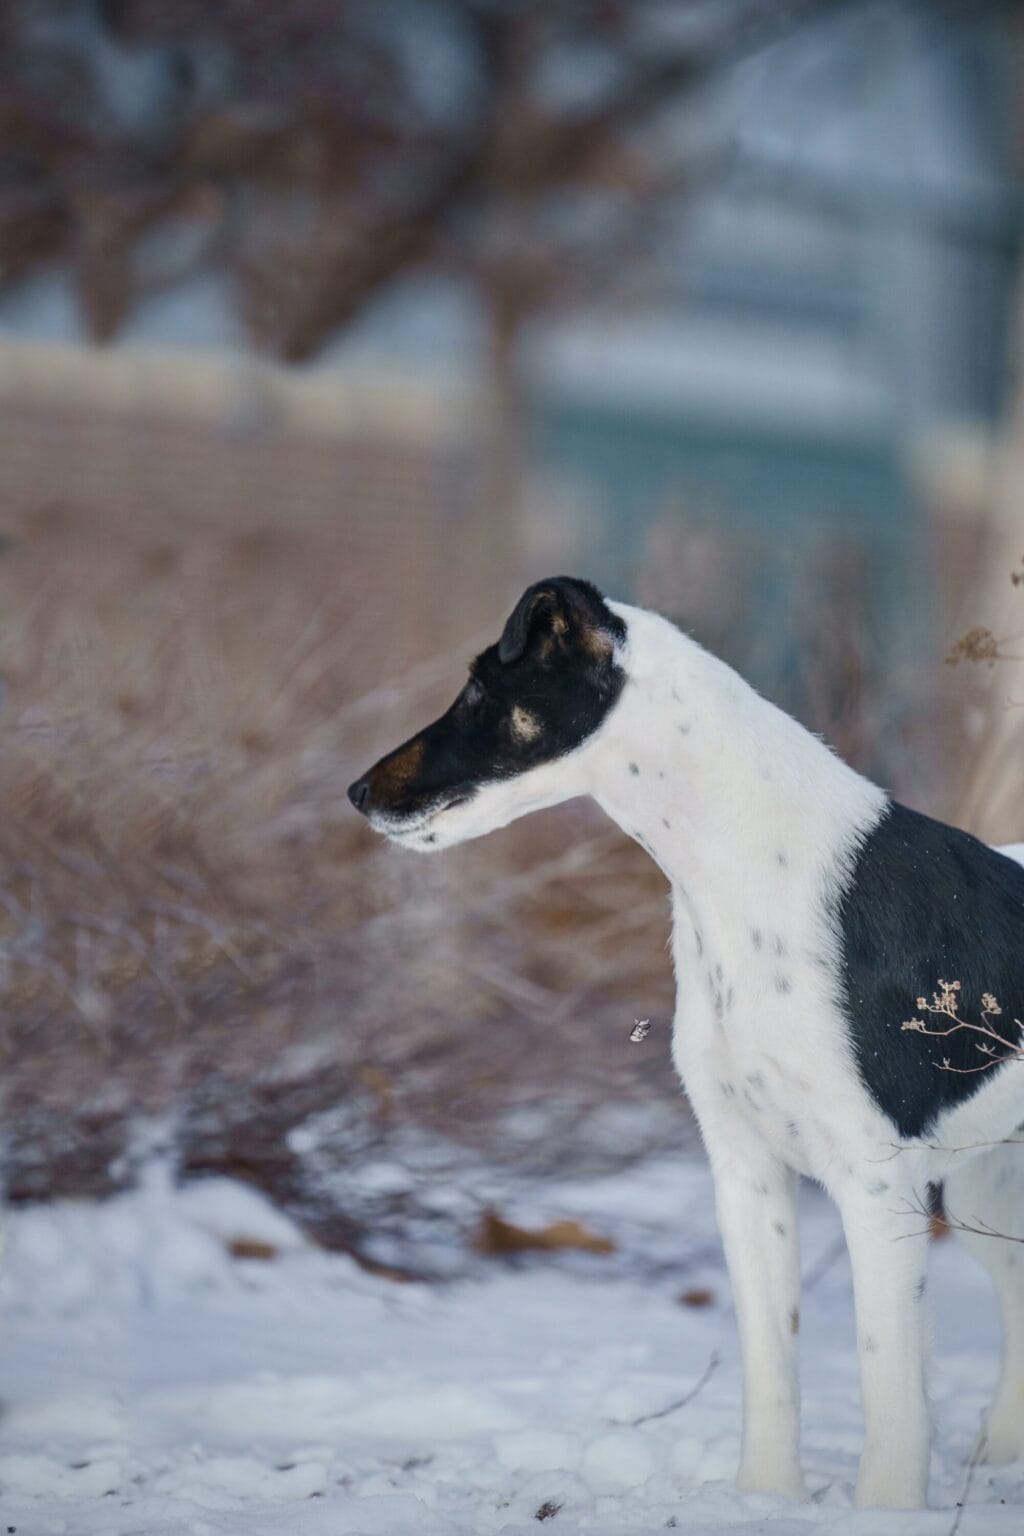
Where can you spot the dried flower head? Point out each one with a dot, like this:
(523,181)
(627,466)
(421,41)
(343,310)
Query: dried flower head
(979,644)
(993,1044)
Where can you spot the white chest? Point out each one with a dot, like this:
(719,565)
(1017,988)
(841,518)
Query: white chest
(759,1042)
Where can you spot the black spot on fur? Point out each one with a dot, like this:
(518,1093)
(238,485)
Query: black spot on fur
(927,902)
(698,937)
(755,934)
(778,947)
(666,824)
(634,770)
(879,1187)
(919,1289)
(684,730)
(783,983)
(779,1227)
(782,861)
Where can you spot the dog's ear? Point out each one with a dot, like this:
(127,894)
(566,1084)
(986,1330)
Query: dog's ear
(564,611)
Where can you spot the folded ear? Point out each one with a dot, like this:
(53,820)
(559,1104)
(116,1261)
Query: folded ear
(564,611)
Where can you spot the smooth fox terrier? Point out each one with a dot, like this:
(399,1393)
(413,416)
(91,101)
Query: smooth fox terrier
(810,914)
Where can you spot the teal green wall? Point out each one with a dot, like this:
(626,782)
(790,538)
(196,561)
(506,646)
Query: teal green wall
(783,494)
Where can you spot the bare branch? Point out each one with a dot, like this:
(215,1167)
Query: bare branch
(944,1004)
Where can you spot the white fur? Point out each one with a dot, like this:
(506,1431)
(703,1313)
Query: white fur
(755,822)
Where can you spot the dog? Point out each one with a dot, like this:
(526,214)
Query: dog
(813,917)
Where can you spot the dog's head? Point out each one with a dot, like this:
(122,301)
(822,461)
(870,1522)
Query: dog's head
(507,744)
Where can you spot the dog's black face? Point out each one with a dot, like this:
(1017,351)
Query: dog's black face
(540,692)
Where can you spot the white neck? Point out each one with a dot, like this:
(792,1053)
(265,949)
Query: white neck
(734,799)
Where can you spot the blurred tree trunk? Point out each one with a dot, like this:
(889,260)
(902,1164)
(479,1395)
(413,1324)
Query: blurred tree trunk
(505,427)
(485,558)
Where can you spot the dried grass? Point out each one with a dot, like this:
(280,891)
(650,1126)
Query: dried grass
(191,919)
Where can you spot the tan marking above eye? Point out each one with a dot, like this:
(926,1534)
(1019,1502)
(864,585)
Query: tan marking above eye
(525,727)
(596,643)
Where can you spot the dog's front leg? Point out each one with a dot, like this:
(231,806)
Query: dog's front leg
(888,1255)
(755,1197)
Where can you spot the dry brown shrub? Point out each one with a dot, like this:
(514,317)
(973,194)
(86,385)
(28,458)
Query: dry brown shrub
(191,915)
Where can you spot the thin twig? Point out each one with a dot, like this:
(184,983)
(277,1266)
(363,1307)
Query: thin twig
(935,1146)
(977,1226)
(661,1413)
(965,1492)
(944,1004)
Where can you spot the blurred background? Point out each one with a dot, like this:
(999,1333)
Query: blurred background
(324,328)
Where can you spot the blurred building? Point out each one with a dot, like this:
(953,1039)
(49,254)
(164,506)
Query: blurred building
(844,301)
(750,448)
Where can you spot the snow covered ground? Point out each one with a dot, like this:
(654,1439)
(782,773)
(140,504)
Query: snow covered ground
(152,1383)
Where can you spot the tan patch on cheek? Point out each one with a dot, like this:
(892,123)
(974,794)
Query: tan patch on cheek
(402,768)
(525,727)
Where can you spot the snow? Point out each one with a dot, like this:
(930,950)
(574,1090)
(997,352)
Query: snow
(154,1383)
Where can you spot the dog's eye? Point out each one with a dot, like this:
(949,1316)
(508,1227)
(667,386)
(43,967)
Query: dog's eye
(474,694)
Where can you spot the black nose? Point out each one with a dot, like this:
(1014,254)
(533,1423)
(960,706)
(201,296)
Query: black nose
(359,794)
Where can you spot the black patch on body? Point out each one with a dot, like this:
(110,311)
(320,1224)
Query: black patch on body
(555,659)
(926,903)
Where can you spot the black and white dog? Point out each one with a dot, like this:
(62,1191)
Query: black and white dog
(810,913)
